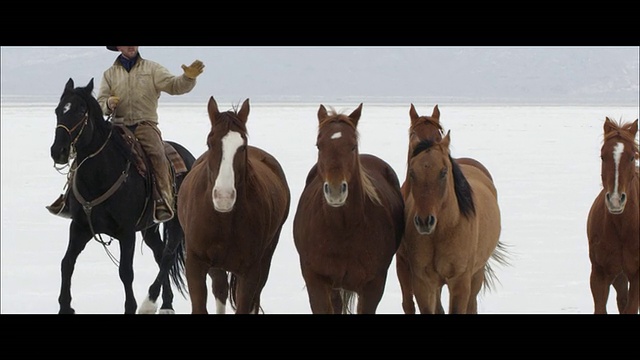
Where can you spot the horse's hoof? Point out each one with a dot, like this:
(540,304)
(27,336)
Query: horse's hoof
(148,307)
(68,311)
(167,311)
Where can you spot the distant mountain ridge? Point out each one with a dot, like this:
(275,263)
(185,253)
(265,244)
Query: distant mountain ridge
(549,75)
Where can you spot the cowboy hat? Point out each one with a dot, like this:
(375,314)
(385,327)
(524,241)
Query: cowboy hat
(112,48)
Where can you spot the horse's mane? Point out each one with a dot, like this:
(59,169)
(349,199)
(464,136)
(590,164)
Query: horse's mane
(230,118)
(95,111)
(464,193)
(426,120)
(365,178)
(621,130)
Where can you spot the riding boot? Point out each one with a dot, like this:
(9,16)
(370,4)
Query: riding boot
(59,207)
(163,201)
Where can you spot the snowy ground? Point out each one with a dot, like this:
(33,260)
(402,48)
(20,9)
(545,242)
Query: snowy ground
(544,159)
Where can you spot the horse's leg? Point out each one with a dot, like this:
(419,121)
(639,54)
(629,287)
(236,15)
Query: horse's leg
(125,270)
(459,293)
(196,271)
(219,288)
(620,283)
(265,268)
(403,270)
(599,283)
(319,292)
(439,307)
(247,288)
(78,239)
(371,295)
(633,304)
(336,301)
(152,238)
(426,291)
(476,284)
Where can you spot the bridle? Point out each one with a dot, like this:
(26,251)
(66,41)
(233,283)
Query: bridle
(87,206)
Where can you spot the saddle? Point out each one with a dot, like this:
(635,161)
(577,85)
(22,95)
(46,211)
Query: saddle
(142,164)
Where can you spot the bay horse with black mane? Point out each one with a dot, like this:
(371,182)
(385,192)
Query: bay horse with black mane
(613,223)
(232,206)
(452,224)
(349,220)
(111,194)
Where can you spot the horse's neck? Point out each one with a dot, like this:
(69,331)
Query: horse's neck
(101,155)
(450,214)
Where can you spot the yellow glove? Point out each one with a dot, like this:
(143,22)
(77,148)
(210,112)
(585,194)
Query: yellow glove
(112,102)
(192,71)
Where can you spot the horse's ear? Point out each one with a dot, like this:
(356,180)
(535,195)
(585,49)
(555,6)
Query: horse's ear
(69,85)
(243,114)
(90,85)
(633,128)
(355,115)
(436,113)
(608,125)
(212,107)
(446,140)
(413,114)
(322,113)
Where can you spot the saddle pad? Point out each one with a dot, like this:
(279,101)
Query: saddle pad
(175,159)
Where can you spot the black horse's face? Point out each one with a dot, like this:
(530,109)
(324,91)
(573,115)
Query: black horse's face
(71,122)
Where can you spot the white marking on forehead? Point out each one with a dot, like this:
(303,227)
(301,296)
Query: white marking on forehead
(337,135)
(230,144)
(67,106)
(617,154)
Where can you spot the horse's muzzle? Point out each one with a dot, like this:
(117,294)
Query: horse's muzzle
(425,226)
(60,154)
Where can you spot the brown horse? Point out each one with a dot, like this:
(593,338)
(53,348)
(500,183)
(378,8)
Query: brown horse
(232,207)
(423,128)
(613,225)
(349,220)
(452,230)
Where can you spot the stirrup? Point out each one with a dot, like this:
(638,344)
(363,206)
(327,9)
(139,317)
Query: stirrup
(59,208)
(162,213)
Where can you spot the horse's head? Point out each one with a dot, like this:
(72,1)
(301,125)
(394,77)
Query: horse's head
(227,155)
(72,121)
(338,157)
(436,183)
(619,153)
(424,127)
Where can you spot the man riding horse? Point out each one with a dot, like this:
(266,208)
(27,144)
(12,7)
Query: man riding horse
(129,92)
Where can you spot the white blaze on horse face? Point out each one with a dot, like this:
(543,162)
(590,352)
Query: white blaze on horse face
(66,108)
(336,196)
(615,202)
(617,154)
(224,192)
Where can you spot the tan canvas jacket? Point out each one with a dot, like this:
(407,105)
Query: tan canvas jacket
(139,90)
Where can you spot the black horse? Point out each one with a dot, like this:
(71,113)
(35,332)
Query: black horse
(111,194)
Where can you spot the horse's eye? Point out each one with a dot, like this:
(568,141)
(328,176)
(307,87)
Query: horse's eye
(354,148)
(443,173)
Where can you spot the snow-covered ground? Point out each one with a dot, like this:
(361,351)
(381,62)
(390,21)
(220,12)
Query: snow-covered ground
(544,159)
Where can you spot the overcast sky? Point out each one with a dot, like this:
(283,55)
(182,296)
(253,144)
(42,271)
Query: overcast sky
(528,75)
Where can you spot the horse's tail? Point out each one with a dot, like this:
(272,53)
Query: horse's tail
(348,301)
(233,286)
(500,256)
(177,270)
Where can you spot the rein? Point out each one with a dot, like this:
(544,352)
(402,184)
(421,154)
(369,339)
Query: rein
(87,206)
